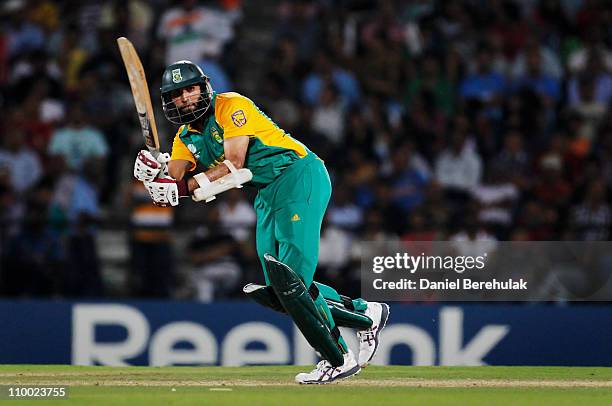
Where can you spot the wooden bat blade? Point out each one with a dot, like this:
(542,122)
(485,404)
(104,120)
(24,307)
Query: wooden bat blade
(140,92)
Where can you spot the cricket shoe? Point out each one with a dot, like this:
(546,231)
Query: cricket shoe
(326,373)
(369,339)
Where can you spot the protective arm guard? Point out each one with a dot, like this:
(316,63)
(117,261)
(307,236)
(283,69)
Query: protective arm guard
(295,299)
(208,190)
(343,312)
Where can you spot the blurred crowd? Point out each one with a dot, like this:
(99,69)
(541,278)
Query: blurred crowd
(474,121)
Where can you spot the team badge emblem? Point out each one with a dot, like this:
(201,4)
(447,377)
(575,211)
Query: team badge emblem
(215,133)
(176,75)
(238,118)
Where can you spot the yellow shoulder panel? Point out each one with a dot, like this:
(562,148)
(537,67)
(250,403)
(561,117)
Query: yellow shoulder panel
(238,115)
(235,114)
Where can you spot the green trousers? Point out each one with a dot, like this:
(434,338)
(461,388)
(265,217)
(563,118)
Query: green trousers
(290,211)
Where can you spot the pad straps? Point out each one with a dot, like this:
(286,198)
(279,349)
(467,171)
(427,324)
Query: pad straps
(347,302)
(335,332)
(314,292)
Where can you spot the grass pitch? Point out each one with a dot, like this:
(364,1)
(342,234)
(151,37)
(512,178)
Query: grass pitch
(273,385)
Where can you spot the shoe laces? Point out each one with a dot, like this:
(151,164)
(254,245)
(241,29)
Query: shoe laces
(367,335)
(323,366)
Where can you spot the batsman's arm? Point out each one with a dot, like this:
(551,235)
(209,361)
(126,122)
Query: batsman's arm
(177,168)
(182,160)
(235,149)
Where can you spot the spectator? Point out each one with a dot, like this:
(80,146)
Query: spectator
(591,218)
(34,257)
(299,19)
(285,68)
(24,35)
(535,78)
(20,161)
(432,84)
(383,23)
(343,213)
(134,18)
(550,187)
(510,26)
(380,65)
(409,178)
(473,239)
(304,130)
(334,251)
(588,108)
(438,209)
(547,61)
(152,270)
(325,72)
(513,160)
(601,78)
(593,47)
(74,196)
(459,167)
(497,197)
(191,31)
(328,117)
(213,257)
(11,210)
(237,216)
(82,275)
(78,143)
(282,108)
(484,86)
(71,57)
(31,72)
(419,229)
(361,134)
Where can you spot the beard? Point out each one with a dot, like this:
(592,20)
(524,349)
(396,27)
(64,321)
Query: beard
(189,108)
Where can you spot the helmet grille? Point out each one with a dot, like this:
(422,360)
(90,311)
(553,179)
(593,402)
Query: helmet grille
(180,116)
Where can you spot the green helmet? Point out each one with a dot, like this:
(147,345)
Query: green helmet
(177,76)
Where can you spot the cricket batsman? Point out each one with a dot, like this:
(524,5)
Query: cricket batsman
(228,134)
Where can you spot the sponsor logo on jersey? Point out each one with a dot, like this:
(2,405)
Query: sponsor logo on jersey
(192,148)
(238,118)
(215,133)
(176,75)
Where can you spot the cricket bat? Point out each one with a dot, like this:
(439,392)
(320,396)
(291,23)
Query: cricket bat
(140,91)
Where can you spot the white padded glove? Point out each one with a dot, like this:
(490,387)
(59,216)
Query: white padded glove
(147,168)
(165,191)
